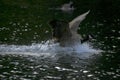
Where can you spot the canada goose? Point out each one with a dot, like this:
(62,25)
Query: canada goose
(66,32)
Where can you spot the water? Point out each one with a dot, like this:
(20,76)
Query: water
(46,61)
(26,52)
(48,49)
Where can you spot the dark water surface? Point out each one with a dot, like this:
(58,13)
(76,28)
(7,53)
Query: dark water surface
(25,54)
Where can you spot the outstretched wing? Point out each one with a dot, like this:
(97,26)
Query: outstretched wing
(74,24)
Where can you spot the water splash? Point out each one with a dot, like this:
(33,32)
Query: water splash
(47,49)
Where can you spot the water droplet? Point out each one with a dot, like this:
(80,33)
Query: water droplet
(90,75)
(46,31)
(26,30)
(35,72)
(27,24)
(85,71)
(118,37)
(57,67)
(113,30)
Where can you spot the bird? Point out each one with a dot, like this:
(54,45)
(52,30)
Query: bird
(67,7)
(66,33)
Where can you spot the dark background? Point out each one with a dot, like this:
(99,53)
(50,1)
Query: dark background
(26,21)
(23,22)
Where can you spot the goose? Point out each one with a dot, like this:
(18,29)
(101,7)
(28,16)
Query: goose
(67,7)
(66,32)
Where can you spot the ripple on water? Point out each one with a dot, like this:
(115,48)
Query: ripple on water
(47,49)
(45,61)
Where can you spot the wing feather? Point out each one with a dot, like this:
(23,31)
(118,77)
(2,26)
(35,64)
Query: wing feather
(74,24)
